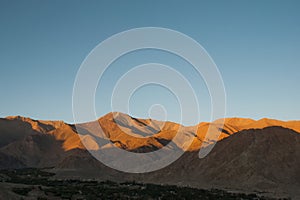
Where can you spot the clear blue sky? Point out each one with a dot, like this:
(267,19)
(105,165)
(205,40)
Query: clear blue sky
(255,44)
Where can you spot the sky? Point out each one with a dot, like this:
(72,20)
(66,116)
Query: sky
(255,45)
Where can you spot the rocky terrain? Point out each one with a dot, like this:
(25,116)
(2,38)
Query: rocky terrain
(260,156)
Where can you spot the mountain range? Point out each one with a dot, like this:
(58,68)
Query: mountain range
(250,155)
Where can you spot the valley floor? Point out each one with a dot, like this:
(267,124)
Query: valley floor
(39,184)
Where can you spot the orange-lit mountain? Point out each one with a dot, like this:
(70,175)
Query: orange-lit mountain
(251,155)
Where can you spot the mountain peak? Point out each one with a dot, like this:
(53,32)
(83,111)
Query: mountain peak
(265,151)
(18,117)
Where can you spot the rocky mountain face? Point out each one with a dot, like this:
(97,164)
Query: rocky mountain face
(250,155)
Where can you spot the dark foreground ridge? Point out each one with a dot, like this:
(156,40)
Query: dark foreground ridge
(39,184)
(261,157)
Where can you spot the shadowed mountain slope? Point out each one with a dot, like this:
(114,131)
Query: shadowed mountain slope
(251,155)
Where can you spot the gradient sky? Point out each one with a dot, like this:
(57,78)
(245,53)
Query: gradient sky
(255,44)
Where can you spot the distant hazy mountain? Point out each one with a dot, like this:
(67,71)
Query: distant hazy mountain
(250,155)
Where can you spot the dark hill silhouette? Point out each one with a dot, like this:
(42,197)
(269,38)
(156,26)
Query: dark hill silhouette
(251,155)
